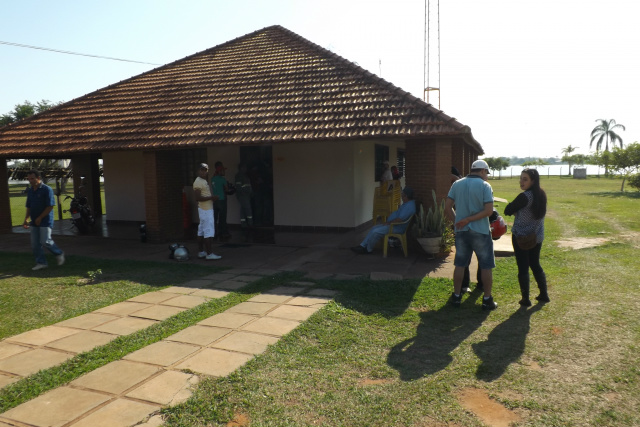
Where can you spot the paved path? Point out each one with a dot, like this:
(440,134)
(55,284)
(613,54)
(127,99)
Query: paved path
(131,390)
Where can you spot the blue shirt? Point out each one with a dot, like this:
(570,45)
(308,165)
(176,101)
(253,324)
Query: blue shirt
(404,212)
(37,201)
(470,194)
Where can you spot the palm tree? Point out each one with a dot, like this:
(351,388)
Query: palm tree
(569,149)
(605,130)
(567,156)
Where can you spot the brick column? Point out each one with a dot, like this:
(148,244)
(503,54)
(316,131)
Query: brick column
(428,166)
(5,204)
(163,196)
(86,165)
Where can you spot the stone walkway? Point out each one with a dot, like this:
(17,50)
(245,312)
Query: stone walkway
(131,390)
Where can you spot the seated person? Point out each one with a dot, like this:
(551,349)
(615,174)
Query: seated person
(403,213)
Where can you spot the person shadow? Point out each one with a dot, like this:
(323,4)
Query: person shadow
(438,334)
(504,345)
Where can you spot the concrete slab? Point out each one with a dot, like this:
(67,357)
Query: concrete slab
(268,298)
(8,349)
(271,326)
(303,283)
(321,292)
(163,353)
(199,335)
(221,277)
(43,335)
(116,377)
(124,308)
(215,362)
(154,421)
(308,300)
(5,380)
(186,301)
(231,285)
(153,297)
(158,312)
(293,312)
(125,326)
(32,361)
(381,275)
(264,271)
(285,290)
(257,308)
(200,283)
(228,320)
(119,413)
(318,275)
(245,342)
(247,278)
(168,388)
(87,321)
(210,293)
(83,341)
(344,276)
(56,407)
(179,290)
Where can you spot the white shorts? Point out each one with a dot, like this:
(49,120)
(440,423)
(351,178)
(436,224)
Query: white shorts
(206,228)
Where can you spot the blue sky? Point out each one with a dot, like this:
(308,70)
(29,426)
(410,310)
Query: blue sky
(529,78)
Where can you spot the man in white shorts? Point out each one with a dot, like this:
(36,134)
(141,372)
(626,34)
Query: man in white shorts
(206,227)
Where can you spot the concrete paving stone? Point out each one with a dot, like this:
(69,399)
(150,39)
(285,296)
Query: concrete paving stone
(119,413)
(116,377)
(231,285)
(292,312)
(32,361)
(257,308)
(5,380)
(186,301)
(245,342)
(153,297)
(308,300)
(381,275)
(247,278)
(302,283)
(321,292)
(211,293)
(154,421)
(168,388)
(271,326)
(179,290)
(158,312)
(228,320)
(163,353)
(270,298)
(125,326)
(199,335)
(87,321)
(42,336)
(265,271)
(123,308)
(200,283)
(220,277)
(215,362)
(342,276)
(56,407)
(5,425)
(285,290)
(8,349)
(83,341)
(318,275)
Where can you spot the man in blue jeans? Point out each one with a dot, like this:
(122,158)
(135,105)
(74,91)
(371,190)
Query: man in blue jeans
(39,218)
(404,212)
(473,199)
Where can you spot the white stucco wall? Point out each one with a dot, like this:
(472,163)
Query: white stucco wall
(124,186)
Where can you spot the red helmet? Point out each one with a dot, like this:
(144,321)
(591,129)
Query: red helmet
(498,228)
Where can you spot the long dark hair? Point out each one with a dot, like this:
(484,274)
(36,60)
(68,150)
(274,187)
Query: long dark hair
(539,205)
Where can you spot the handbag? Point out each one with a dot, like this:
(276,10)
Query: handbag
(527,242)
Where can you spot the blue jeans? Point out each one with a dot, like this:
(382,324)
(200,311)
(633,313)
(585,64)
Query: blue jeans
(468,242)
(41,237)
(375,234)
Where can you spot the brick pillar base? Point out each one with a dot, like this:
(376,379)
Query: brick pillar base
(428,167)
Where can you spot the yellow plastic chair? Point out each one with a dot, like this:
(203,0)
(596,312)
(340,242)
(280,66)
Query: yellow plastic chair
(400,236)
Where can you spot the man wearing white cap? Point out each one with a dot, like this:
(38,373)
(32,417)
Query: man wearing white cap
(206,227)
(473,199)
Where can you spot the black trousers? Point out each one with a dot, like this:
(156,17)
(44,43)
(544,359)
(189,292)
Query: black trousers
(529,259)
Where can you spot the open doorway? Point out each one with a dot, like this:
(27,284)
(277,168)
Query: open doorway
(260,170)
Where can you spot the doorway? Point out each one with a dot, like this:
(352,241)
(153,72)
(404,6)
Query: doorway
(259,163)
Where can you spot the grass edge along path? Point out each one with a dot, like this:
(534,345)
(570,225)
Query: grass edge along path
(47,379)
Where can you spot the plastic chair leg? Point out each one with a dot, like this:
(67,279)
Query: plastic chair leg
(385,246)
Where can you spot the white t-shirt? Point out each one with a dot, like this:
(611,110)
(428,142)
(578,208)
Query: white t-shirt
(205,191)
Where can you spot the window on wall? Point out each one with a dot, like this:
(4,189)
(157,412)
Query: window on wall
(382,154)
(400,162)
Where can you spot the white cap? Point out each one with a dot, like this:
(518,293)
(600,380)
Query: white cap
(480,164)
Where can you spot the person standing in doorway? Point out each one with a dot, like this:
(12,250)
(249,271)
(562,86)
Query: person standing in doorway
(473,199)
(220,189)
(530,208)
(206,227)
(39,217)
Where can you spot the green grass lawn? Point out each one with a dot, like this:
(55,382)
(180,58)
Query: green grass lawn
(395,354)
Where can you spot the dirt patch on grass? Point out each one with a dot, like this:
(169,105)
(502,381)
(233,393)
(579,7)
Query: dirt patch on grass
(489,411)
(581,242)
(368,381)
(239,420)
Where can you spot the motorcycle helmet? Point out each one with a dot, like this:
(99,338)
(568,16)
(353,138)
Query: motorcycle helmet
(181,254)
(498,228)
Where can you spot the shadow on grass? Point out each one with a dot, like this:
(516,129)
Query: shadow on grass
(437,335)
(617,194)
(504,345)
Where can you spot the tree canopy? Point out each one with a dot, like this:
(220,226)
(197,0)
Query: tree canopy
(24,110)
(625,161)
(497,163)
(605,131)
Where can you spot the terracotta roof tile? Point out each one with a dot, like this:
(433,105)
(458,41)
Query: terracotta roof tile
(268,86)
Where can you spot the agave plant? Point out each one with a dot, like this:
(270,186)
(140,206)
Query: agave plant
(433,222)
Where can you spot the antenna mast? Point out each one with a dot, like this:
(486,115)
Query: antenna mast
(427,51)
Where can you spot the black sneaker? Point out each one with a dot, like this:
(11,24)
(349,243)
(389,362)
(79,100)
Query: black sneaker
(360,250)
(543,298)
(455,300)
(489,304)
(525,302)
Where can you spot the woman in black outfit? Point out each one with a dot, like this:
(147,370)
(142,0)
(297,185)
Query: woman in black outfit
(529,208)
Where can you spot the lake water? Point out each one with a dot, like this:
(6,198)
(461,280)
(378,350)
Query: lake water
(555,170)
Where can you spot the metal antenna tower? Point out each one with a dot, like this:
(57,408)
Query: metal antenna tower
(427,51)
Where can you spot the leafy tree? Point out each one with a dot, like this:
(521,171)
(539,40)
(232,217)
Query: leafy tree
(497,163)
(634,181)
(605,131)
(24,110)
(626,161)
(567,157)
(536,162)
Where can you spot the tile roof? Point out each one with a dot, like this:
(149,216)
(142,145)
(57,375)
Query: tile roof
(269,86)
